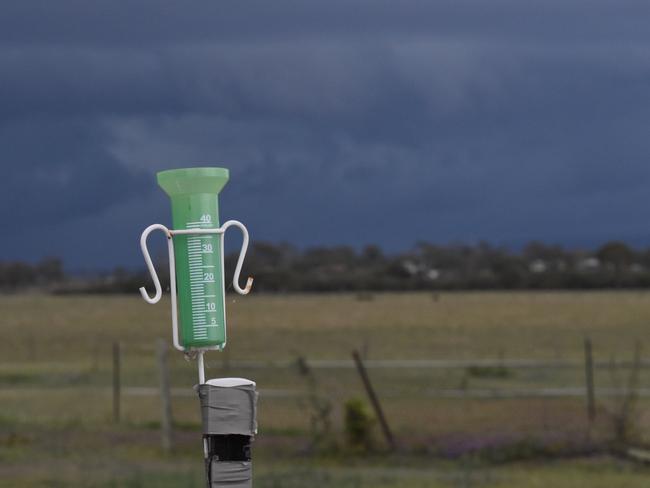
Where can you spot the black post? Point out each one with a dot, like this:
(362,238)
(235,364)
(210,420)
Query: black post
(228,415)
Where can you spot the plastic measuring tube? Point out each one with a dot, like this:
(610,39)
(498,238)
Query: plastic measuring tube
(199,274)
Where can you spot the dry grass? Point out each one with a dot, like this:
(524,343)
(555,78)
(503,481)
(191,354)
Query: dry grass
(55,383)
(470,325)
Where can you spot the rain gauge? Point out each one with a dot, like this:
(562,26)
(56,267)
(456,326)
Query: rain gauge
(198,309)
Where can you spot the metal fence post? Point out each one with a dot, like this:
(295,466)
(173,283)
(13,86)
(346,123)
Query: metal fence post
(116,382)
(165,397)
(589,379)
(373,399)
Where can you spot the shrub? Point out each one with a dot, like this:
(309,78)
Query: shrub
(359,423)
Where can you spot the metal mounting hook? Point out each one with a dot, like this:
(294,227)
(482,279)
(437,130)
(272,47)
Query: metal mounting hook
(242,255)
(150,266)
(172,270)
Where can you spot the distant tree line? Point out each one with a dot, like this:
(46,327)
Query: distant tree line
(286,268)
(282,267)
(18,275)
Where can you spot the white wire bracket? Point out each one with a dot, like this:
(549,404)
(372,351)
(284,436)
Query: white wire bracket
(172,270)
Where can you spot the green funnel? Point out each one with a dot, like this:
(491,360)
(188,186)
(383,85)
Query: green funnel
(199,275)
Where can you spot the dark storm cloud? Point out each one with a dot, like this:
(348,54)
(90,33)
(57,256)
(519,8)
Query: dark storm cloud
(57,169)
(167,21)
(448,120)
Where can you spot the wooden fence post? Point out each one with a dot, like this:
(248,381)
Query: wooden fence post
(373,399)
(589,379)
(116,382)
(165,397)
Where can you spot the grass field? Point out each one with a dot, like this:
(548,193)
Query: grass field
(56,414)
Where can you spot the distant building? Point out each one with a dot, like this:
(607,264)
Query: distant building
(411,267)
(538,266)
(414,269)
(433,274)
(589,264)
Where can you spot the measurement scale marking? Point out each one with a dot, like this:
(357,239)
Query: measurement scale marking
(195,251)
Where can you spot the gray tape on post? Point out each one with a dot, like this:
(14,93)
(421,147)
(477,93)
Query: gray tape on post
(233,474)
(228,409)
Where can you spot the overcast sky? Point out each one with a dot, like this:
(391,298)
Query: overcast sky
(347,121)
